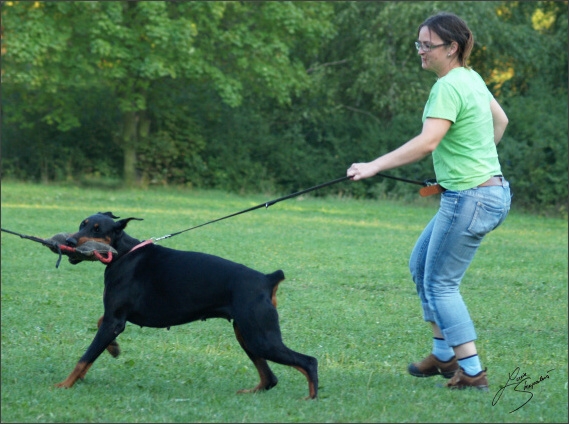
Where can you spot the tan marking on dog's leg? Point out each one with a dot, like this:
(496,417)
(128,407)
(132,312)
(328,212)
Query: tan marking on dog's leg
(263,369)
(82,375)
(113,348)
(311,388)
(79,372)
(265,381)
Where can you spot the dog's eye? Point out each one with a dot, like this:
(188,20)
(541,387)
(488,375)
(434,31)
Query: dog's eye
(96,229)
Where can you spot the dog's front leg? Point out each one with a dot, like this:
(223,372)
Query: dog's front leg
(107,332)
(113,347)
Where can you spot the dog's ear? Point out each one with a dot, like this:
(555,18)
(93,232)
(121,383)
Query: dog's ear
(109,214)
(121,225)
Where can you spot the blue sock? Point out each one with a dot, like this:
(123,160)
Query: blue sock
(470,365)
(442,350)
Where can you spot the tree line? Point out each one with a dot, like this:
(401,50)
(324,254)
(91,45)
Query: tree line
(265,96)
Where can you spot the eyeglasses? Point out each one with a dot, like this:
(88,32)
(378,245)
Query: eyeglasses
(428,47)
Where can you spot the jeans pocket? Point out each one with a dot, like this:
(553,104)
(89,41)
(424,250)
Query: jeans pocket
(485,219)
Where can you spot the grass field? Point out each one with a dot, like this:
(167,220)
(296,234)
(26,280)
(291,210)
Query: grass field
(348,300)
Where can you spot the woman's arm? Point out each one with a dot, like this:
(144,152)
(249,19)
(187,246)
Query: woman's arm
(500,120)
(417,148)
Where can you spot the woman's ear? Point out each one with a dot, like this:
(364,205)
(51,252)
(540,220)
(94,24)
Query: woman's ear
(453,48)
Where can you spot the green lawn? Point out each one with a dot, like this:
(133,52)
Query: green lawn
(347,299)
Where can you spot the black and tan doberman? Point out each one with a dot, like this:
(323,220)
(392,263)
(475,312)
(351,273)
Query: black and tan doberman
(154,286)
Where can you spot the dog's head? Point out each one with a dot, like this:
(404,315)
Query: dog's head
(100,228)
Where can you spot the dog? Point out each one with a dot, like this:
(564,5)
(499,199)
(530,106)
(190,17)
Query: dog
(154,286)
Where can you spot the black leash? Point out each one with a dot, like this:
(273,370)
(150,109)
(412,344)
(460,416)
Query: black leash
(51,243)
(425,183)
(266,205)
(298,193)
(54,245)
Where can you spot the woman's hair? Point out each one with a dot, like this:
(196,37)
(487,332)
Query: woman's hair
(451,28)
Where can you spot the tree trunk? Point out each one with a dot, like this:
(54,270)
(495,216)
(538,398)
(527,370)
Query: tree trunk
(134,129)
(128,144)
(129,166)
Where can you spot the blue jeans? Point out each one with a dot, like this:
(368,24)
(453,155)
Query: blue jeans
(445,250)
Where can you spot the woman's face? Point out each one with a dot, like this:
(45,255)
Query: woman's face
(435,60)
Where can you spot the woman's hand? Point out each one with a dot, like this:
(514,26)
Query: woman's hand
(434,129)
(359,171)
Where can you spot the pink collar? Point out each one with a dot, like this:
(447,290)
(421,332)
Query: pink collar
(144,243)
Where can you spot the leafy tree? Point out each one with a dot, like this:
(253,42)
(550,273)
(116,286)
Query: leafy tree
(128,46)
(267,96)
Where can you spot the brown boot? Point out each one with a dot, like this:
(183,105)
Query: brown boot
(461,380)
(431,366)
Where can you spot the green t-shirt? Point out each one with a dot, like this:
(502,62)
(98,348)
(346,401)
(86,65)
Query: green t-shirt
(466,156)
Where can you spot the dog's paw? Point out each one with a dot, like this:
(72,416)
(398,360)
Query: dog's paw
(63,385)
(114,349)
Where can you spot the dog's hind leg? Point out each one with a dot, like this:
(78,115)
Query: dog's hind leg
(260,334)
(268,378)
(310,371)
(113,347)
(307,365)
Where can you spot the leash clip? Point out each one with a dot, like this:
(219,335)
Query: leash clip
(155,239)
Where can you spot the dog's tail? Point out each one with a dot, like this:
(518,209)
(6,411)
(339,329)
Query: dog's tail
(274,279)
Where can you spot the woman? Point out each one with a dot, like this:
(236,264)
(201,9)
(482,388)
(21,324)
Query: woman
(462,124)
